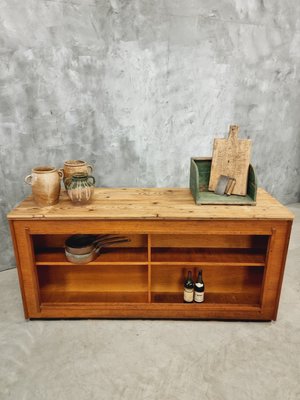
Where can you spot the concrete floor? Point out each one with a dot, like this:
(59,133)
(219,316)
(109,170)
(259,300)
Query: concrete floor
(166,360)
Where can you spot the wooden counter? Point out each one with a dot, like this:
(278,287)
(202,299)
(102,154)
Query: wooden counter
(241,250)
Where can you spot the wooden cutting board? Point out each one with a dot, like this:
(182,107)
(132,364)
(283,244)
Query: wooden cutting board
(231,157)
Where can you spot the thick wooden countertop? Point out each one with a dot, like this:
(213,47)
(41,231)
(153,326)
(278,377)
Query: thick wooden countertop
(150,203)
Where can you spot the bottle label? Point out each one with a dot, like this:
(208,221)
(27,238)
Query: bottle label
(188,295)
(199,297)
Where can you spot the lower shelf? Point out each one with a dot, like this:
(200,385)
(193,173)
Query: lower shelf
(75,284)
(50,296)
(252,299)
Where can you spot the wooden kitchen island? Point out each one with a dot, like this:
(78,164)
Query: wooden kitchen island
(240,249)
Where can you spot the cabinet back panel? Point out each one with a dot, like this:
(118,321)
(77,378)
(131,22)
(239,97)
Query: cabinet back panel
(214,241)
(94,278)
(57,241)
(216,278)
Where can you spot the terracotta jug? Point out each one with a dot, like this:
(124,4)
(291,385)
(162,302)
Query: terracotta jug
(45,183)
(72,167)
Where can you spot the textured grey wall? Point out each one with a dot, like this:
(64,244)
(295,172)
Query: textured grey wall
(138,87)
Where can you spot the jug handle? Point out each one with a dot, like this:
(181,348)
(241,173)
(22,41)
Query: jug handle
(93,179)
(28,179)
(90,168)
(61,173)
(67,181)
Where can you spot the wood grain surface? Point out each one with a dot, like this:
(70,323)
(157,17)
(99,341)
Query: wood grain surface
(149,203)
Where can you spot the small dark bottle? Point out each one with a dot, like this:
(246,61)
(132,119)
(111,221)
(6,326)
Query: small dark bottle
(188,293)
(199,289)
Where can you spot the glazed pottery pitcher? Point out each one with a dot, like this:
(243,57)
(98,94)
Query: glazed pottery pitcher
(45,183)
(80,188)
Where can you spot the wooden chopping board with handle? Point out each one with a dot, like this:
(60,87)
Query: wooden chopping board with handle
(231,157)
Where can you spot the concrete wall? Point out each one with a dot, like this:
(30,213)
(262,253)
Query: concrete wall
(137,87)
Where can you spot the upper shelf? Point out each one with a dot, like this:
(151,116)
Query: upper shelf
(152,204)
(125,256)
(161,256)
(230,257)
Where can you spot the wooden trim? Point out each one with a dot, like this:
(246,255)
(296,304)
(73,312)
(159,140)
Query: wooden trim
(169,311)
(267,266)
(33,268)
(283,262)
(149,268)
(214,227)
(19,269)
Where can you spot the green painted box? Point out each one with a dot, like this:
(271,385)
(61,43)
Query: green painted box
(199,180)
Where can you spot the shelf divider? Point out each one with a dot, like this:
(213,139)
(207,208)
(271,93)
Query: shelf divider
(149,268)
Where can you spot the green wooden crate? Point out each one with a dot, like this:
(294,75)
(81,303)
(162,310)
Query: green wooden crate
(199,180)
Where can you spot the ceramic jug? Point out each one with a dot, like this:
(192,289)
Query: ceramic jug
(45,183)
(72,167)
(80,188)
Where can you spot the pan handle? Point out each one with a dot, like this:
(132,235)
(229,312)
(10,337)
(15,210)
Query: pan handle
(101,245)
(103,238)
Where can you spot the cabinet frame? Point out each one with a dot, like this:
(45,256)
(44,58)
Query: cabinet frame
(278,232)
